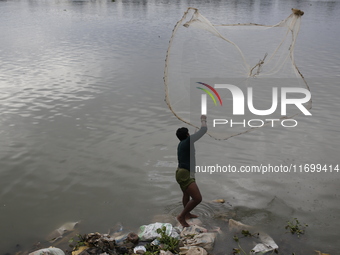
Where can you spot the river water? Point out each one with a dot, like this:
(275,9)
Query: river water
(86,135)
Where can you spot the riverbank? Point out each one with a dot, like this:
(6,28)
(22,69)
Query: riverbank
(231,237)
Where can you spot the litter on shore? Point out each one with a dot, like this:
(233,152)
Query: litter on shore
(152,239)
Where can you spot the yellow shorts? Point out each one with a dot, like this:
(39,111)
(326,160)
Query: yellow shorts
(183,178)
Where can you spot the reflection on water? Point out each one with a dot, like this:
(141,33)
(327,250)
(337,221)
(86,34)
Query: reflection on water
(86,135)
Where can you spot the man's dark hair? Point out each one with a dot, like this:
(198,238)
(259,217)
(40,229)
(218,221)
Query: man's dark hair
(182,133)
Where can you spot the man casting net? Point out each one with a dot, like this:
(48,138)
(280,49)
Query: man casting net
(242,76)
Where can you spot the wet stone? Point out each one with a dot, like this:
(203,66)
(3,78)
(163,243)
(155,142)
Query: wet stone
(133,238)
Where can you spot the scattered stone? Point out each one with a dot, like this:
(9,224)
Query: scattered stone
(133,238)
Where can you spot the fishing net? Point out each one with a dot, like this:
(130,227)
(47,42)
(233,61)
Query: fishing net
(258,60)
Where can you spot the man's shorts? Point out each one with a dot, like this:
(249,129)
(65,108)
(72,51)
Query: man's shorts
(183,178)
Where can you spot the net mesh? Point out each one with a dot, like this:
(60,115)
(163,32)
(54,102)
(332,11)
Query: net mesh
(246,55)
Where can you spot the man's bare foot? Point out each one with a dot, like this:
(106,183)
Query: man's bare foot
(190,216)
(182,221)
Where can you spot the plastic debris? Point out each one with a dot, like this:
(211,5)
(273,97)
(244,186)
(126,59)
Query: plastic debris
(198,236)
(116,230)
(236,225)
(104,243)
(192,250)
(193,230)
(48,251)
(149,232)
(59,232)
(266,242)
(121,238)
(155,242)
(139,250)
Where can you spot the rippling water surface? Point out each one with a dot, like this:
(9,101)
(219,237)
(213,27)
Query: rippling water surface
(86,135)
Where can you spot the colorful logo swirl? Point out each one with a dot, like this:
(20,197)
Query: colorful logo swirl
(209,93)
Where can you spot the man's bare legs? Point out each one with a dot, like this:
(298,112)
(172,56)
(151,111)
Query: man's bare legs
(193,192)
(185,200)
